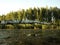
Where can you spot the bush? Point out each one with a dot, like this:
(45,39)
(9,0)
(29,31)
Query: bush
(9,27)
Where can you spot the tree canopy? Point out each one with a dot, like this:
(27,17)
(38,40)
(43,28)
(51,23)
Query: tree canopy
(40,14)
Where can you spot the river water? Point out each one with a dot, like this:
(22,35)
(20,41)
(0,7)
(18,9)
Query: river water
(29,37)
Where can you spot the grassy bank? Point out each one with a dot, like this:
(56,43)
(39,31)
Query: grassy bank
(31,26)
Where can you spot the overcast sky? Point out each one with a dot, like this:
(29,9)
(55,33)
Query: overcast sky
(13,5)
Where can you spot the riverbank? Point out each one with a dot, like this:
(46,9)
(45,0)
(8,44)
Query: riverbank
(31,26)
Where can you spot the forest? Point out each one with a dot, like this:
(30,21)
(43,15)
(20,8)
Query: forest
(49,15)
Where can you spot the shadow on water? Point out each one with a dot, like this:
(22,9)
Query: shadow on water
(29,37)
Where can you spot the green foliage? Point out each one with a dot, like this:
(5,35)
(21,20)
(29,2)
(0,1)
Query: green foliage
(41,14)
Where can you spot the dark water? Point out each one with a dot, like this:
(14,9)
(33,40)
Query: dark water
(29,37)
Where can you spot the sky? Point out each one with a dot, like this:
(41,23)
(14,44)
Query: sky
(13,5)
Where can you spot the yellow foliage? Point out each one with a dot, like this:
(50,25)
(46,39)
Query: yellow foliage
(9,27)
(44,27)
